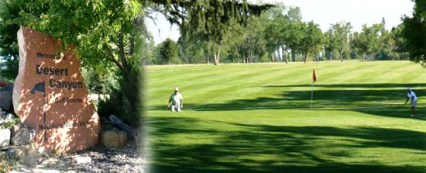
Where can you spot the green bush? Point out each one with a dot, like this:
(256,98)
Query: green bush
(125,102)
(9,125)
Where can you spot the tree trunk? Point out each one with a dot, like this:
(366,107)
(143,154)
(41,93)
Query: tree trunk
(341,56)
(207,58)
(293,56)
(285,55)
(121,52)
(306,56)
(216,57)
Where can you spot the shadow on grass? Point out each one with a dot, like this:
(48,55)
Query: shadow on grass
(363,85)
(377,99)
(265,148)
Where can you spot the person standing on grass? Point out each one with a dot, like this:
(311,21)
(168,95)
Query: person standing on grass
(176,101)
(411,95)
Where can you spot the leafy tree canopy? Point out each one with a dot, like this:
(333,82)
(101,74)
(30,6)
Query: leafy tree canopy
(414,32)
(209,20)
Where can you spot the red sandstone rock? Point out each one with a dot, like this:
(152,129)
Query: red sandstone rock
(50,94)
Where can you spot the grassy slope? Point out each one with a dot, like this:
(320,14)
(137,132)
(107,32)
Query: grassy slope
(257,118)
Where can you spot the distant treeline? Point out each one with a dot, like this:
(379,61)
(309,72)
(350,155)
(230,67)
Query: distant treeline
(280,35)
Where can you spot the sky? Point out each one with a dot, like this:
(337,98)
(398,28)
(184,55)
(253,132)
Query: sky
(322,12)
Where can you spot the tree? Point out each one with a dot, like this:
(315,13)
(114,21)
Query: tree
(210,20)
(369,42)
(330,44)
(168,52)
(244,43)
(414,32)
(99,80)
(338,36)
(9,56)
(374,43)
(193,50)
(312,41)
(358,45)
(252,42)
(400,46)
(388,46)
(284,31)
(294,37)
(106,33)
(274,31)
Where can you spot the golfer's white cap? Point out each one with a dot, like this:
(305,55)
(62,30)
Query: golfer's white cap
(176,89)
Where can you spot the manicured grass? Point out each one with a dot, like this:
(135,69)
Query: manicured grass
(257,118)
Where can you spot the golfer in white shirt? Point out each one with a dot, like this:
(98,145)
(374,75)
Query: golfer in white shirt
(411,95)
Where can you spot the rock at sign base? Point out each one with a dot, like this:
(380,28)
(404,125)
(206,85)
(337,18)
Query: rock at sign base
(22,134)
(24,153)
(114,138)
(4,137)
(82,159)
(6,117)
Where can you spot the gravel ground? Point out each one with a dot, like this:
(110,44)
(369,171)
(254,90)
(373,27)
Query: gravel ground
(102,159)
(95,159)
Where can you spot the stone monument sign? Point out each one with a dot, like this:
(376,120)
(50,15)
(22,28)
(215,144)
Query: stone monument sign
(50,94)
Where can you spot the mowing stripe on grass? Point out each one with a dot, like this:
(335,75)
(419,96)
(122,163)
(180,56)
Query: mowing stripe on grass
(256,118)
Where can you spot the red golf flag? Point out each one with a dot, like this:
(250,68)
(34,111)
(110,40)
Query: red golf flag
(314,77)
